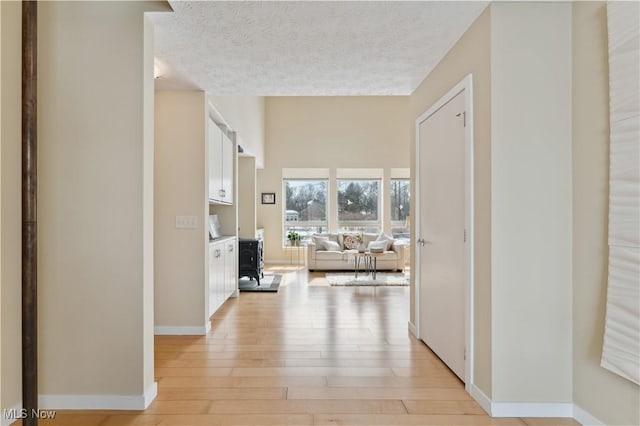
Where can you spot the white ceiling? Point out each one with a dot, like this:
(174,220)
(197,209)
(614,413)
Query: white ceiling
(309,48)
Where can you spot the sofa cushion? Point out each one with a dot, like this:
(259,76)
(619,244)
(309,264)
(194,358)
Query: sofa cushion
(319,240)
(388,239)
(330,246)
(330,255)
(379,245)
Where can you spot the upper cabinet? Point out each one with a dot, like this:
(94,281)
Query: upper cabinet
(221,161)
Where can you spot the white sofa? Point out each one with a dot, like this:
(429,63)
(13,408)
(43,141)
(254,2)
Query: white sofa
(321,259)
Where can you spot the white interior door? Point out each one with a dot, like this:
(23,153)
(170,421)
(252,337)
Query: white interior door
(442,228)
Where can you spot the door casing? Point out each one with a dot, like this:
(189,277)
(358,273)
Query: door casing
(466,85)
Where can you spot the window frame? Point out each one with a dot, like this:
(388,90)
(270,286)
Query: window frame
(286,225)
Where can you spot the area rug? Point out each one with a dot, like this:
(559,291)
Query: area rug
(382,279)
(268,284)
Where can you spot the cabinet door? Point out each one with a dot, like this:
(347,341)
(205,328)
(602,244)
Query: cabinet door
(227,169)
(215,162)
(213,278)
(231,275)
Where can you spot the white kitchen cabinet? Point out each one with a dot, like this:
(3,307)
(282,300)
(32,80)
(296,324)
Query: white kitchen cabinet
(221,165)
(223,274)
(230,269)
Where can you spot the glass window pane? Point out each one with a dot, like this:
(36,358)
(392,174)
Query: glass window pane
(306,200)
(358,200)
(305,208)
(400,200)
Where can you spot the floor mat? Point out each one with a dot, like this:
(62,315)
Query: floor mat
(268,284)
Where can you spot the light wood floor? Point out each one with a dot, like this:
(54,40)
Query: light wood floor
(310,354)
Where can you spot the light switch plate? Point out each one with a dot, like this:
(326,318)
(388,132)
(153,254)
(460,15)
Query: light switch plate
(186,222)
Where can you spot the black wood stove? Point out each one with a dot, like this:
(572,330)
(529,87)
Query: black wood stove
(250,262)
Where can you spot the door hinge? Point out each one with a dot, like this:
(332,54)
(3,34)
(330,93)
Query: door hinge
(464,117)
(465,353)
(464,236)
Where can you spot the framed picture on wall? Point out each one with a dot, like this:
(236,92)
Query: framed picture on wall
(268,198)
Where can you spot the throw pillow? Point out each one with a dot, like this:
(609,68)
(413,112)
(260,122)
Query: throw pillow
(350,242)
(331,246)
(319,240)
(378,245)
(388,239)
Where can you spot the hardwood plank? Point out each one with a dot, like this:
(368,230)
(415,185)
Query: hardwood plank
(241,382)
(446,380)
(212,420)
(215,393)
(250,355)
(307,406)
(443,407)
(379,393)
(312,371)
(412,420)
(168,372)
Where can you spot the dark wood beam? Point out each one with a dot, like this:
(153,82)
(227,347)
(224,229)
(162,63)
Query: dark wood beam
(29,212)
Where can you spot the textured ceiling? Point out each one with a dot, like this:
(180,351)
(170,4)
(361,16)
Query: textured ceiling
(309,48)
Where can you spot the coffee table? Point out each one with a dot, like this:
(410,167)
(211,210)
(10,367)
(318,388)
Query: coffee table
(370,262)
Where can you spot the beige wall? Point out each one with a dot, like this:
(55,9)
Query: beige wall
(470,55)
(531,201)
(94,202)
(11,204)
(605,395)
(247,197)
(180,189)
(245,115)
(327,132)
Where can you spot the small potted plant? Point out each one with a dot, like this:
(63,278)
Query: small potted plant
(294,238)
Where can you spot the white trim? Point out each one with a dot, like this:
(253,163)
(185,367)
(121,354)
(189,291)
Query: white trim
(480,397)
(585,418)
(359,173)
(531,409)
(400,173)
(150,394)
(304,173)
(161,330)
(466,85)
(99,402)
(412,330)
(6,422)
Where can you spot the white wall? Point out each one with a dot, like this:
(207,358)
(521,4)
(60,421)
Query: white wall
(11,358)
(180,189)
(95,170)
(245,115)
(327,132)
(531,201)
(605,395)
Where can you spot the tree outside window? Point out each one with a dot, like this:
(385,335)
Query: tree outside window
(359,205)
(305,207)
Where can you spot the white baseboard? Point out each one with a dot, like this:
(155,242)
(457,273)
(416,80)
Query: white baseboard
(480,397)
(585,418)
(99,402)
(412,330)
(161,330)
(531,409)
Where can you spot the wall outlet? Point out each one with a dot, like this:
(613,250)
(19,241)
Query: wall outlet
(186,222)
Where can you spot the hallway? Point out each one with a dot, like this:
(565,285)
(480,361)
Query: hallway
(310,354)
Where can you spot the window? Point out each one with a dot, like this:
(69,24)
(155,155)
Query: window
(400,203)
(305,207)
(358,205)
